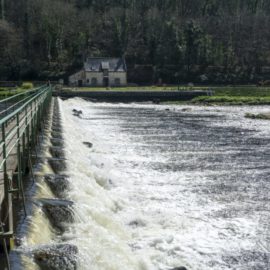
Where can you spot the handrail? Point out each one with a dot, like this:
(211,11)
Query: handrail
(21,94)
(9,104)
(7,118)
(12,133)
(18,139)
(12,107)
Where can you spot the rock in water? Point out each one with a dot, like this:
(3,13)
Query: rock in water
(59,184)
(186,110)
(57,257)
(77,113)
(179,268)
(88,144)
(59,212)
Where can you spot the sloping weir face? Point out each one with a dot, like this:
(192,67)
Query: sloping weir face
(39,237)
(129,186)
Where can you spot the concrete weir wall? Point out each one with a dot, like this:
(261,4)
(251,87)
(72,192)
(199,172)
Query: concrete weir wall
(49,213)
(134,96)
(57,209)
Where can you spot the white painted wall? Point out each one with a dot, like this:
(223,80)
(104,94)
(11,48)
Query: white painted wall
(87,77)
(120,75)
(90,75)
(73,79)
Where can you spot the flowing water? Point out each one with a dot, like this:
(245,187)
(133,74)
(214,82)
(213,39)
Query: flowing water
(166,186)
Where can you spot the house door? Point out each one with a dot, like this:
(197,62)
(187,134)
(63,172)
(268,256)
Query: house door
(80,83)
(106,81)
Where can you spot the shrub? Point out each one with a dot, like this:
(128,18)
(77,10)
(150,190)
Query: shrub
(233,100)
(27,85)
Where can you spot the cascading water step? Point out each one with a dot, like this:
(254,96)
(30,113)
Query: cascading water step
(55,212)
(56,257)
(58,211)
(57,142)
(57,152)
(59,184)
(58,165)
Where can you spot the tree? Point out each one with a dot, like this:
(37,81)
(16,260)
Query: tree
(172,36)
(10,42)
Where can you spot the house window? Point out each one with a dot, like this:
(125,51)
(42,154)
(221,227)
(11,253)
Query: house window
(87,80)
(94,81)
(117,81)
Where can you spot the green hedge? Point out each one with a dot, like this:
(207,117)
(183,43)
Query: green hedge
(27,85)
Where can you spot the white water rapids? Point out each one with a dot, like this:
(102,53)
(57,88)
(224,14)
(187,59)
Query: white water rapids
(187,186)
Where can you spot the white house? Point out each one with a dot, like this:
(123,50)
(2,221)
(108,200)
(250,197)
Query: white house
(101,72)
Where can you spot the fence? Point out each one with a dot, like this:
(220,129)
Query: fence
(20,121)
(9,105)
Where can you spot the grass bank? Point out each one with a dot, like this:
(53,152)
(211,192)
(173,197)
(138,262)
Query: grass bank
(5,93)
(242,91)
(136,88)
(232,100)
(245,95)
(223,95)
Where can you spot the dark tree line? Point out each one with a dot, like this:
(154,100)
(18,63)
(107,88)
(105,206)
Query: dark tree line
(206,41)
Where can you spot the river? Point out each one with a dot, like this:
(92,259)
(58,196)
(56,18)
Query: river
(166,186)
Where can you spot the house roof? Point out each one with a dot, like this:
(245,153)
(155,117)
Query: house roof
(112,64)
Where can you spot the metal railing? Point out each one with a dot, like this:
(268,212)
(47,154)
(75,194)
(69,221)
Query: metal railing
(10,104)
(19,123)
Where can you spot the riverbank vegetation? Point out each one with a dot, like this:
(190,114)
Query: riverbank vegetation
(231,100)
(262,116)
(244,95)
(9,92)
(137,88)
(6,92)
(165,41)
(245,90)
(220,95)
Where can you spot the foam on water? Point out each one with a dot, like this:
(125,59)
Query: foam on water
(155,193)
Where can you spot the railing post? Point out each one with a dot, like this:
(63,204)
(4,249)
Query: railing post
(18,151)
(6,179)
(7,202)
(19,158)
(4,158)
(32,131)
(27,124)
(26,128)
(24,142)
(23,154)
(36,122)
(27,132)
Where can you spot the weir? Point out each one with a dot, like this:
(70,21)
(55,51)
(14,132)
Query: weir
(134,95)
(21,120)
